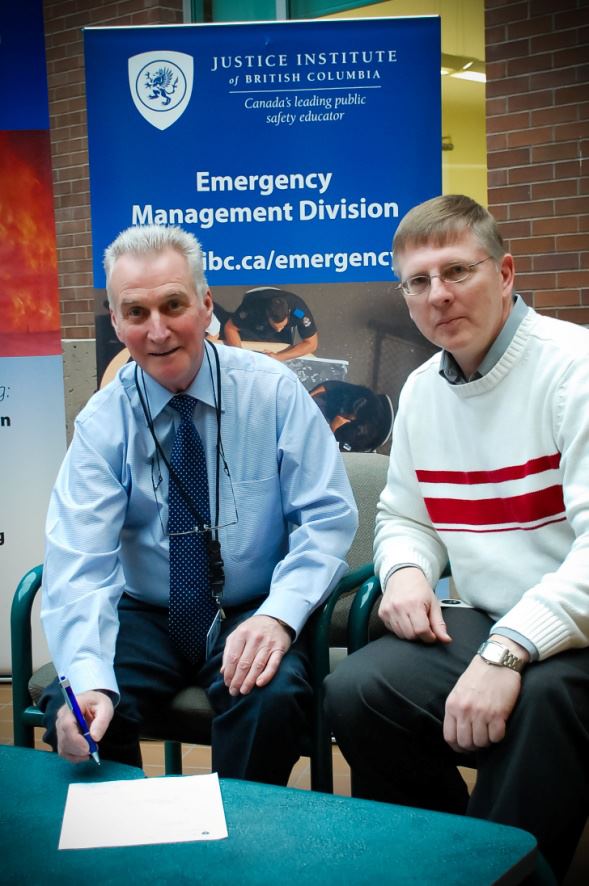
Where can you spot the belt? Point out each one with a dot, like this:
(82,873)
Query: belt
(129,602)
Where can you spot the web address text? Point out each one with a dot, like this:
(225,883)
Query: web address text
(295,261)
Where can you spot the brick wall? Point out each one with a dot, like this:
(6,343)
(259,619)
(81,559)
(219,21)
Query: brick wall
(67,108)
(538,146)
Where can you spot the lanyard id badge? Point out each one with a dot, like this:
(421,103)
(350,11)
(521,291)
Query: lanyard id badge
(213,633)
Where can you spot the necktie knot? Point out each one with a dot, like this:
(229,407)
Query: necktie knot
(184,404)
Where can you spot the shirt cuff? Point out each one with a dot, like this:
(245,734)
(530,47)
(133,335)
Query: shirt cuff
(291,631)
(518,638)
(397,568)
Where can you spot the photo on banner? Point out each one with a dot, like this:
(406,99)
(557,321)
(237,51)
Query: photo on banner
(291,150)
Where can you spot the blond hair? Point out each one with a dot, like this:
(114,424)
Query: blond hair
(442,220)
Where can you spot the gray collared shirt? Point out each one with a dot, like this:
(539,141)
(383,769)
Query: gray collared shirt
(451,371)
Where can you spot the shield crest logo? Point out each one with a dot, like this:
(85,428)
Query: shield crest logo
(161,85)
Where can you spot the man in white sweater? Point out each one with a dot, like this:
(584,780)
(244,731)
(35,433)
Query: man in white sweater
(489,470)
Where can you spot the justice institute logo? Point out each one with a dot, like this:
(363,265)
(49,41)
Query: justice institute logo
(161,85)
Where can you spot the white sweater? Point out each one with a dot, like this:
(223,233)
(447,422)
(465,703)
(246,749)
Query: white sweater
(494,476)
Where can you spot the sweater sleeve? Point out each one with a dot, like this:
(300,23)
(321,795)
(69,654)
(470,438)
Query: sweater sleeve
(404,532)
(554,613)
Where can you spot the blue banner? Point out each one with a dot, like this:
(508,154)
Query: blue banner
(290,149)
(22,63)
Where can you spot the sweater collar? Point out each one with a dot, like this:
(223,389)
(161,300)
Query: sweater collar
(451,371)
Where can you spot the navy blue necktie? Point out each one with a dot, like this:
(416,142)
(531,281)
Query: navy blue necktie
(192,608)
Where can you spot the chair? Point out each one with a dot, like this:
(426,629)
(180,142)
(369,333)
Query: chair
(189,715)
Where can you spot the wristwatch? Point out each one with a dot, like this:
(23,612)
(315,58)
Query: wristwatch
(495,653)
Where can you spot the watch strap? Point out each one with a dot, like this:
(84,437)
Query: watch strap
(508,659)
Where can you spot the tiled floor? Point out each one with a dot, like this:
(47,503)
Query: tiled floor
(197,759)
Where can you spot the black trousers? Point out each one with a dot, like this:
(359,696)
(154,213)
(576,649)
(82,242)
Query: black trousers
(386,707)
(256,737)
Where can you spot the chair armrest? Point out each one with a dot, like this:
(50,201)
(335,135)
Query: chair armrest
(322,619)
(20,632)
(359,618)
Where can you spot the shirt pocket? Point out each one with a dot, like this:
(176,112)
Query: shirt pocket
(259,538)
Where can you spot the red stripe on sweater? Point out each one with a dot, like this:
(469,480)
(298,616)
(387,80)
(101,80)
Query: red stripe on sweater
(513,472)
(515,509)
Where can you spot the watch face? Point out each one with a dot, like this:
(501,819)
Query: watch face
(493,653)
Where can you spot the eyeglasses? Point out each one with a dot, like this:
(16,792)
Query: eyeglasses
(156,481)
(203,530)
(419,284)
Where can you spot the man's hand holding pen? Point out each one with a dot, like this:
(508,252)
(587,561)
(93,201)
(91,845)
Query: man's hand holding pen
(98,711)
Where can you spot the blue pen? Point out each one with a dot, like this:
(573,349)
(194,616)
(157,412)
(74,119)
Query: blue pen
(72,703)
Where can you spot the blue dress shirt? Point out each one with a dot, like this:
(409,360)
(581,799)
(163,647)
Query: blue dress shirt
(287,513)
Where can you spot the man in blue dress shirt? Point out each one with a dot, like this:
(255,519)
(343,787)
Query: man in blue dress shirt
(285,516)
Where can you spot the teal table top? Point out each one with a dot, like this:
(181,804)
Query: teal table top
(276,835)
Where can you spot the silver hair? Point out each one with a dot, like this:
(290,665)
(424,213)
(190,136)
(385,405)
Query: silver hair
(156,238)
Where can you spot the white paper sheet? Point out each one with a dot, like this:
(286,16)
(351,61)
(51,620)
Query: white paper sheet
(149,810)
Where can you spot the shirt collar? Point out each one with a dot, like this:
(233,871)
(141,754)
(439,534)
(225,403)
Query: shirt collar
(201,387)
(451,371)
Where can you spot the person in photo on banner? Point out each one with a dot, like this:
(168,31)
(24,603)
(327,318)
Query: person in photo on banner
(188,542)
(489,471)
(360,419)
(269,314)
